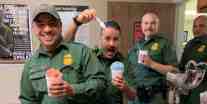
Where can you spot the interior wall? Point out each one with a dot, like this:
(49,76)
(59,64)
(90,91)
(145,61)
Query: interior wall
(127,13)
(10,76)
(150,1)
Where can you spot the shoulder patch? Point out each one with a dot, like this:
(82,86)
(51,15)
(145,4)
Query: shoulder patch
(155,46)
(201,48)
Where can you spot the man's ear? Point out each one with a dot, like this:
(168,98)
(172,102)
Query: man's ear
(33,28)
(60,25)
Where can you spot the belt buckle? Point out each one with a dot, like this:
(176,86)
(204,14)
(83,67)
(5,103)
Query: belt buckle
(149,90)
(145,94)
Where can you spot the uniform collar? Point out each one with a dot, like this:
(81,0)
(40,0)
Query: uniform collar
(197,40)
(99,54)
(152,38)
(43,51)
(201,38)
(143,42)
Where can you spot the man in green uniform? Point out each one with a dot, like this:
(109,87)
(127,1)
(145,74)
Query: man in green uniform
(83,78)
(196,50)
(107,54)
(151,68)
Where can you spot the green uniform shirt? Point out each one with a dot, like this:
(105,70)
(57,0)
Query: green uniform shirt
(114,95)
(161,51)
(79,66)
(196,49)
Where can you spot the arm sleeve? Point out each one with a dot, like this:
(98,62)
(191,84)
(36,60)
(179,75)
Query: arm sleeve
(129,74)
(27,94)
(94,77)
(182,62)
(169,55)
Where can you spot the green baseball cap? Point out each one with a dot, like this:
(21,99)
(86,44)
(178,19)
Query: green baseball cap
(45,8)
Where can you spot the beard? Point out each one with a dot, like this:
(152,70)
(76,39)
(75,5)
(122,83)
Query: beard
(111,49)
(110,52)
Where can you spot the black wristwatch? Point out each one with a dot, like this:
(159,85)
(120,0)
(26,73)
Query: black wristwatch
(76,21)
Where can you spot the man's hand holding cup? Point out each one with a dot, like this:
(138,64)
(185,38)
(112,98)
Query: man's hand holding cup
(117,69)
(57,87)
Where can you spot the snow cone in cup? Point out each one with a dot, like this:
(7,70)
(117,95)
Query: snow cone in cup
(53,75)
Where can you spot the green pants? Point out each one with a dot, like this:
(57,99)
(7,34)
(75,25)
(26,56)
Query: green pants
(157,99)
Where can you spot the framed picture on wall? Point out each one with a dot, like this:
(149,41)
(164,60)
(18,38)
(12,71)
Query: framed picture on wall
(15,40)
(137,34)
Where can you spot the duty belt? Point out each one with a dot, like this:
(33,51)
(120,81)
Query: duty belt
(146,94)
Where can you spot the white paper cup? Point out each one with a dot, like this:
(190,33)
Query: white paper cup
(51,79)
(203,97)
(141,55)
(116,73)
(116,69)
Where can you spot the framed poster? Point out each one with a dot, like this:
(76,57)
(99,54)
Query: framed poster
(15,41)
(137,34)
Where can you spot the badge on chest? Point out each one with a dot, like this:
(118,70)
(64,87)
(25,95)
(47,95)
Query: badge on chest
(67,59)
(201,48)
(155,47)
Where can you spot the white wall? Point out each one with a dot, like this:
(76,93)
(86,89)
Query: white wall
(10,76)
(179,28)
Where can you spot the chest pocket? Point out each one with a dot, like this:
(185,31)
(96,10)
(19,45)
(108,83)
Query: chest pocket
(37,76)
(72,73)
(156,54)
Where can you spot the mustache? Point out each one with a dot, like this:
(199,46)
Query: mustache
(111,49)
(45,33)
(148,29)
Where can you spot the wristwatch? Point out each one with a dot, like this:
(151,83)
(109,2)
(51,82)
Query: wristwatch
(76,21)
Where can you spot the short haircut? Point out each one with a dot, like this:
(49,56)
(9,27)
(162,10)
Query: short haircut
(200,16)
(155,15)
(113,24)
